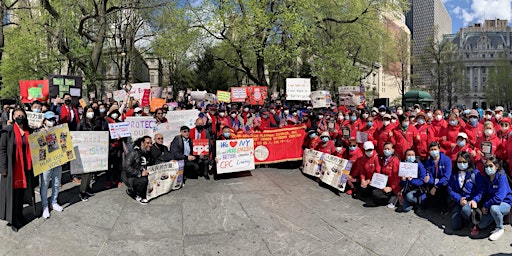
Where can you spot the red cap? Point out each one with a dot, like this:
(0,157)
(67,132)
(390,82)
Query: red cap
(505,120)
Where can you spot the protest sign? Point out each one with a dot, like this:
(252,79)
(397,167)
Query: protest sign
(238,94)
(334,172)
(168,131)
(145,98)
(35,120)
(119,95)
(408,170)
(235,155)
(119,130)
(210,98)
(50,148)
(351,95)
(182,118)
(60,84)
(200,147)
(156,92)
(379,180)
(197,95)
(321,99)
(312,162)
(269,144)
(361,137)
(486,147)
(82,103)
(91,150)
(345,132)
(164,177)
(223,96)
(32,90)
(256,95)
(137,90)
(141,126)
(298,88)
(156,103)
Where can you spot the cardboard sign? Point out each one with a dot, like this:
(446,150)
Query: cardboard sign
(141,126)
(200,147)
(119,130)
(119,95)
(223,96)
(235,155)
(50,148)
(210,98)
(156,103)
(35,120)
(60,84)
(32,90)
(82,103)
(238,94)
(361,137)
(137,90)
(256,95)
(321,99)
(379,180)
(407,169)
(298,88)
(164,178)
(91,150)
(197,95)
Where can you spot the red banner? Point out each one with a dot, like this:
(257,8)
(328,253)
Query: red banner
(277,145)
(256,95)
(31,90)
(145,98)
(200,147)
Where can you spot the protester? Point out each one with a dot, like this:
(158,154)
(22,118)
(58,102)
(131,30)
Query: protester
(159,152)
(135,173)
(389,167)
(413,192)
(326,145)
(160,117)
(181,149)
(365,167)
(200,133)
(404,136)
(439,170)
(90,122)
(115,151)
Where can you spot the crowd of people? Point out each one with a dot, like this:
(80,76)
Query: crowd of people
(463,156)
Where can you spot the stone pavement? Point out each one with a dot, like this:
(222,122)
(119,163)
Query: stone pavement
(272,212)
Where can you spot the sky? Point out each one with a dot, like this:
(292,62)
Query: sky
(467,12)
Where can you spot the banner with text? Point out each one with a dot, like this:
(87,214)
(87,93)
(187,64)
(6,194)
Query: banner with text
(223,96)
(35,120)
(312,162)
(50,148)
(91,151)
(32,90)
(298,88)
(321,99)
(164,177)
(238,94)
(141,126)
(137,90)
(235,155)
(335,171)
(119,130)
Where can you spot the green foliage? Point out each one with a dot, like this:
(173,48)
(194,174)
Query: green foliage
(498,89)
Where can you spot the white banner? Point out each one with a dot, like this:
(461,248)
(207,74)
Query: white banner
(91,150)
(141,126)
(235,155)
(335,171)
(164,177)
(137,91)
(35,120)
(298,88)
(408,170)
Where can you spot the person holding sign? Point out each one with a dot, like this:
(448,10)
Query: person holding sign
(389,167)
(90,122)
(365,167)
(17,181)
(326,145)
(199,132)
(486,145)
(462,145)
(464,191)
(424,136)
(439,170)
(181,149)
(115,151)
(413,192)
(366,132)
(135,173)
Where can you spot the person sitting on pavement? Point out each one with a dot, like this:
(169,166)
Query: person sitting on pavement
(413,192)
(439,170)
(389,166)
(159,152)
(365,167)
(326,145)
(135,173)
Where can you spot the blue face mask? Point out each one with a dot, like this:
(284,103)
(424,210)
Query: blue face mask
(226,135)
(461,143)
(434,153)
(325,139)
(453,122)
(36,110)
(387,152)
(411,159)
(352,148)
(473,121)
(370,124)
(490,171)
(462,166)
(312,136)
(353,118)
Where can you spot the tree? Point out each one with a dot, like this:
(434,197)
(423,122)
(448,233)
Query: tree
(498,86)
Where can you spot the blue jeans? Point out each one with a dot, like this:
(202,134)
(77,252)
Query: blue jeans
(459,214)
(495,214)
(410,199)
(54,176)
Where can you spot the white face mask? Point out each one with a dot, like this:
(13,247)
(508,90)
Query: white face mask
(399,112)
(365,116)
(294,114)
(393,120)
(429,114)
(222,114)
(233,115)
(286,112)
(89,115)
(338,149)
(369,153)
(439,117)
(115,116)
(273,111)
(488,132)
(49,123)
(386,122)
(382,113)
(487,116)
(246,109)
(498,116)
(341,118)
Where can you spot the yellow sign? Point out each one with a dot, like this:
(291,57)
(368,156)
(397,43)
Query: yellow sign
(50,148)
(223,96)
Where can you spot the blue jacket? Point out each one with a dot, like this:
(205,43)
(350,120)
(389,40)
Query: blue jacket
(471,189)
(443,173)
(497,191)
(416,182)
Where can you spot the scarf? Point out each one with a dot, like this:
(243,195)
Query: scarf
(19,179)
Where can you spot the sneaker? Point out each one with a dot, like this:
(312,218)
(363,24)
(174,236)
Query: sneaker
(57,207)
(141,200)
(496,234)
(130,193)
(46,213)
(84,197)
(391,206)
(475,230)
(89,194)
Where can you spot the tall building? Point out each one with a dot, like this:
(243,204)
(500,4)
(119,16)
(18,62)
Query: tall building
(479,46)
(426,19)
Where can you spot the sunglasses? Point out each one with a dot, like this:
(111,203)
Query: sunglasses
(461,162)
(159,138)
(504,124)
(159,113)
(491,166)
(185,131)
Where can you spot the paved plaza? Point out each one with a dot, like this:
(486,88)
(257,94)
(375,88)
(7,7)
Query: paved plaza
(272,212)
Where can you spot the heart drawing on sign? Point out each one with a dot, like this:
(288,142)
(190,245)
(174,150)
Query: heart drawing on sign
(233,143)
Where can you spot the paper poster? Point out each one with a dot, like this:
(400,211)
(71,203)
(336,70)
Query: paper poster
(31,90)
(91,150)
(50,148)
(145,98)
(256,95)
(345,132)
(141,126)
(361,137)
(379,180)
(200,147)
(238,94)
(312,162)
(333,171)
(156,103)
(156,92)
(298,89)
(137,91)
(321,99)
(235,155)
(351,96)
(223,96)
(35,120)
(60,84)
(75,92)
(408,170)
(486,149)
(119,130)
(119,95)
(163,178)
(210,98)
(82,103)
(182,118)
(197,95)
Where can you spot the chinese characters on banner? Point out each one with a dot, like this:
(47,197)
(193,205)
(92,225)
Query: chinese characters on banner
(164,177)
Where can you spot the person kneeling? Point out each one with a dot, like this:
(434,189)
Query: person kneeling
(135,174)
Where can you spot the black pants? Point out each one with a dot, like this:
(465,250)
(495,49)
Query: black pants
(365,192)
(382,198)
(440,199)
(191,170)
(114,164)
(140,186)
(17,207)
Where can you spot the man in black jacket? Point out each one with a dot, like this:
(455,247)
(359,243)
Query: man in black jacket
(181,149)
(135,174)
(159,152)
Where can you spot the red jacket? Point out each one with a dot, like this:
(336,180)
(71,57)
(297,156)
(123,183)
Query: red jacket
(403,140)
(352,156)
(426,137)
(437,126)
(451,133)
(474,133)
(366,166)
(354,127)
(370,131)
(327,148)
(502,152)
(452,154)
(382,136)
(391,170)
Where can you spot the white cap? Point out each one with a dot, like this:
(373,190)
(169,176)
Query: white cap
(499,108)
(463,135)
(137,109)
(368,145)
(325,134)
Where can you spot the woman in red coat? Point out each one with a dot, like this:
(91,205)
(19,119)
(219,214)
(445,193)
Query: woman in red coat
(385,133)
(448,135)
(486,146)
(389,166)
(424,137)
(462,145)
(369,129)
(353,154)
(326,145)
(404,137)
(366,166)
(504,134)
(438,124)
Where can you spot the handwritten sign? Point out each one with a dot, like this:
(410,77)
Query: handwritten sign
(50,148)
(197,95)
(361,137)
(91,150)
(235,155)
(137,90)
(238,94)
(379,180)
(223,96)
(119,95)
(298,88)
(200,147)
(35,120)
(156,103)
(164,177)
(141,126)
(321,99)
(408,170)
(119,130)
